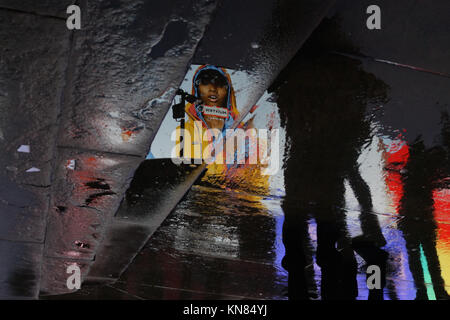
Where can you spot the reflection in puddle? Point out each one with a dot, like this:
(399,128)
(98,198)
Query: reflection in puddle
(355,191)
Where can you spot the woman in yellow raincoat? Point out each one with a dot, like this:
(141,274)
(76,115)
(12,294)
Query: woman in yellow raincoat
(211,118)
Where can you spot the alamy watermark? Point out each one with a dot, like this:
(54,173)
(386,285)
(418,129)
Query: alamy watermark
(374,20)
(74,280)
(374,280)
(74,20)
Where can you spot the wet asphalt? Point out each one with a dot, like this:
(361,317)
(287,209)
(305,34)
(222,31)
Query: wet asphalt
(366,180)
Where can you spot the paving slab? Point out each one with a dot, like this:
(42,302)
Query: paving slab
(124,71)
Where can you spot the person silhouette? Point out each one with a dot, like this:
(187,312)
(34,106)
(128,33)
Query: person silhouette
(322,98)
(424,172)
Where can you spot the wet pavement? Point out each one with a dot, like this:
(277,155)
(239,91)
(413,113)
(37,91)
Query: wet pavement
(366,172)
(233,249)
(80,109)
(71,97)
(369,140)
(228,251)
(365,182)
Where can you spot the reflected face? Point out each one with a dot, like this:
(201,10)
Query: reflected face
(213,94)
